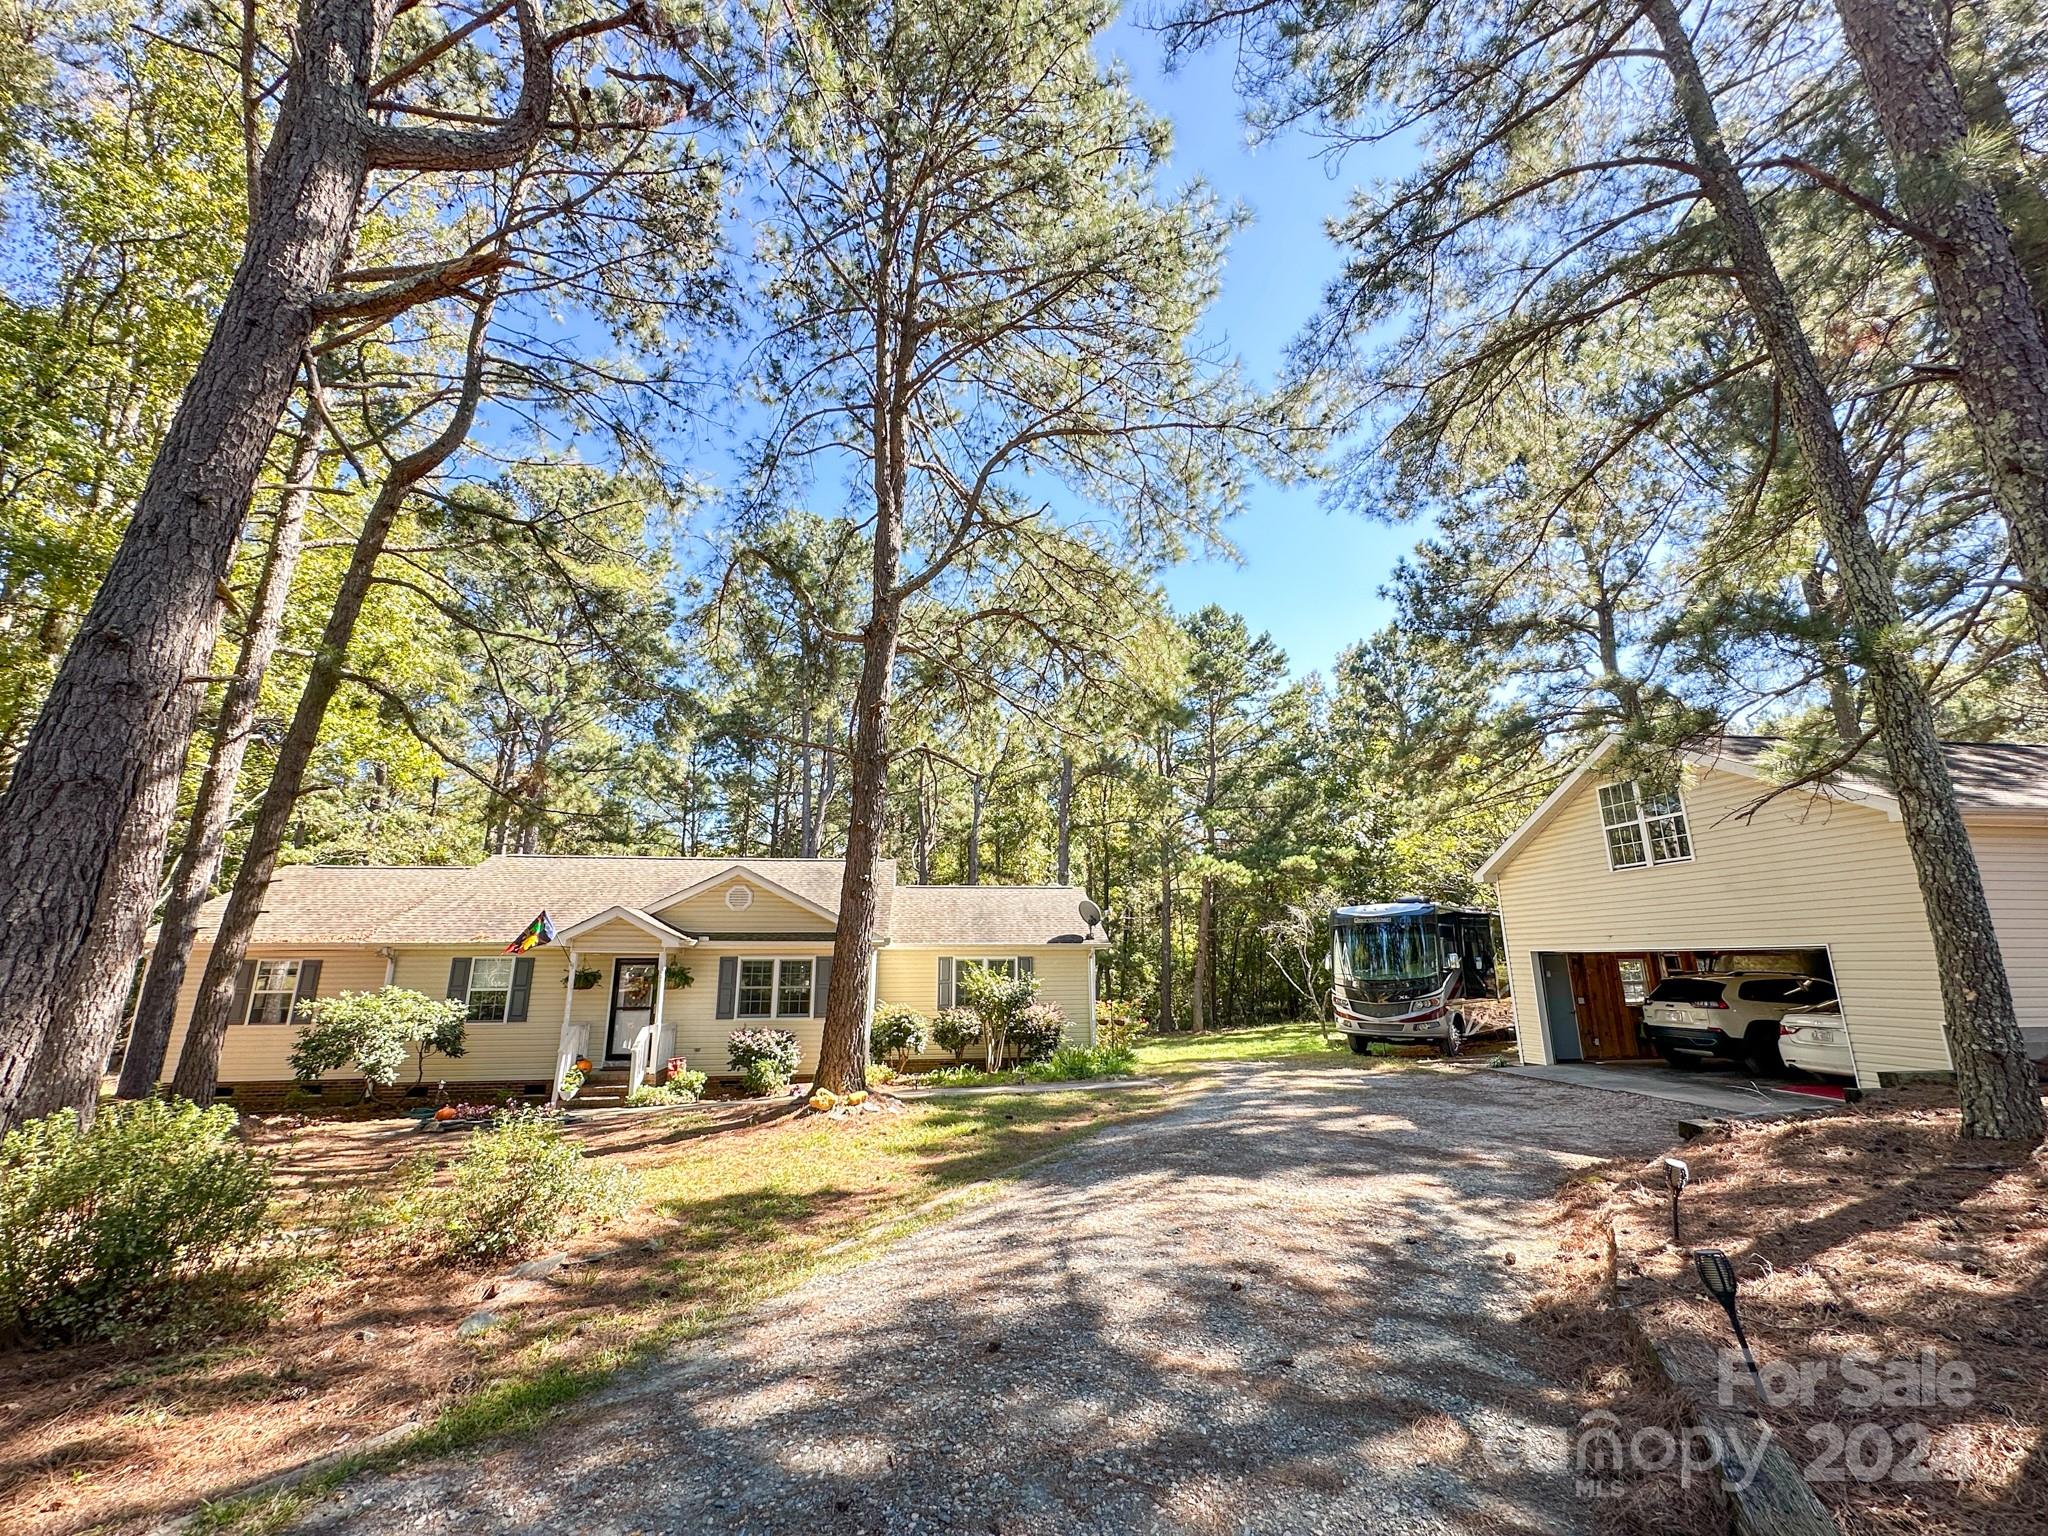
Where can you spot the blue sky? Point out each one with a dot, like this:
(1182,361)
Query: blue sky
(1309,576)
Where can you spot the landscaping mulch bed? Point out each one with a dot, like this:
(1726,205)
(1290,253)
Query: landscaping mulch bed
(1894,1284)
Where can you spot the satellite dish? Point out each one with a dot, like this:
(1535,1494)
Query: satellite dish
(1091,914)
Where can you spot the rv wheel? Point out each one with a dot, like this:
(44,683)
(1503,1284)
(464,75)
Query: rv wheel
(1360,1046)
(1454,1037)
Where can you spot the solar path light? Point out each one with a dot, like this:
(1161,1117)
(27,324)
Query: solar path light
(1717,1274)
(1677,1174)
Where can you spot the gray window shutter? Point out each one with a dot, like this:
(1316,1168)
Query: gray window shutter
(728,984)
(1026,965)
(821,984)
(245,978)
(309,984)
(458,978)
(945,982)
(522,988)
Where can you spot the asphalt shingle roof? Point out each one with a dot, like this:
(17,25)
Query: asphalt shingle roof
(492,901)
(1989,775)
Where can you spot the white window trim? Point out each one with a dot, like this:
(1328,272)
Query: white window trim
(986,960)
(1642,826)
(469,988)
(249,1012)
(775,986)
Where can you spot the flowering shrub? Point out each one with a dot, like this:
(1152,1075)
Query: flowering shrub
(898,1034)
(1037,1032)
(766,1059)
(99,1226)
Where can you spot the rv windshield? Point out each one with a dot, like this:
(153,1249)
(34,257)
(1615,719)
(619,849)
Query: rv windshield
(1388,949)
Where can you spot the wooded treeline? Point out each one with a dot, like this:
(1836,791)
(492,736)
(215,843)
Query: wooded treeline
(763,431)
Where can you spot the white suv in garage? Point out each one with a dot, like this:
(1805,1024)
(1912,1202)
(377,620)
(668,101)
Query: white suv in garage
(1698,1015)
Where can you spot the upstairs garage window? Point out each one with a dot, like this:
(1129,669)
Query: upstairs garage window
(1643,828)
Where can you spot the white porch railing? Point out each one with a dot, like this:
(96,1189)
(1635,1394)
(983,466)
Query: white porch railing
(575,1037)
(643,1057)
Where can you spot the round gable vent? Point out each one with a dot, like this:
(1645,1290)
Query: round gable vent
(739,897)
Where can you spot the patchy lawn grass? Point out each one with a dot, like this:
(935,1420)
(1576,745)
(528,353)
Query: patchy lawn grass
(1299,1045)
(1876,1232)
(1168,1054)
(117,1438)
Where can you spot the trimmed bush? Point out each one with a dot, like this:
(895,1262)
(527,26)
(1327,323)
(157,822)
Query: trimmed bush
(100,1228)
(1037,1032)
(681,1088)
(378,1033)
(899,1033)
(956,1030)
(766,1059)
(521,1184)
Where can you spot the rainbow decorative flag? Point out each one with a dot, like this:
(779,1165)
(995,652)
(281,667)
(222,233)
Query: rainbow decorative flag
(538,932)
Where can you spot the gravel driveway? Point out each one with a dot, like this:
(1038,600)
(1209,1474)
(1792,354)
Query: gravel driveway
(1283,1306)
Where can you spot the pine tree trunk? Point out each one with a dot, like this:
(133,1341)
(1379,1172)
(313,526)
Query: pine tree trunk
(1994,1078)
(199,1059)
(1166,935)
(84,820)
(206,838)
(1061,864)
(842,1052)
(1980,288)
(1202,996)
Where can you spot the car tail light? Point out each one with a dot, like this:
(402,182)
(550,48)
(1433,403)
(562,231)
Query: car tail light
(1788,1029)
(1716,1003)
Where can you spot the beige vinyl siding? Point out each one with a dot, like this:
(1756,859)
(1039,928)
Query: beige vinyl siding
(2013,855)
(260,1052)
(771,912)
(514,1049)
(701,1036)
(911,977)
(1800,874)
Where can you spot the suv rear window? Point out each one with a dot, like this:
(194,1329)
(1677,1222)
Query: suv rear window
(1785,989)
(1686,989)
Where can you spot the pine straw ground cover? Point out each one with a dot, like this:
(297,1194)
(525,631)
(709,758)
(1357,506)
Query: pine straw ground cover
(1870,1231)
(349,1340)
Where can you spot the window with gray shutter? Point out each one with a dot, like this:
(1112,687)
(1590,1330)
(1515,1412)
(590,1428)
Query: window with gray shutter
(728,984)
(945,982)
(821,984)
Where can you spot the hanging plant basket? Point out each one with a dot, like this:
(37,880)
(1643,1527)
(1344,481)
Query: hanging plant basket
(676,975)
(588,977)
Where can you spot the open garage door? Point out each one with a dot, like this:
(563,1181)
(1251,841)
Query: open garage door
(1593,999)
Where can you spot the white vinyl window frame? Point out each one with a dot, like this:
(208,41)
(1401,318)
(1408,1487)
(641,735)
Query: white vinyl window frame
(1641,830)
(1007,964)
(487,991)
(780,986)
(273,989)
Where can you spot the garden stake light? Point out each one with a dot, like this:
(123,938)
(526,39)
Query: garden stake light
(1718,1276)
(1677,1174)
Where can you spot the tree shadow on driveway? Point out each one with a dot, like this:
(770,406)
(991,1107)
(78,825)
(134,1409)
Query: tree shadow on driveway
(1291,1304)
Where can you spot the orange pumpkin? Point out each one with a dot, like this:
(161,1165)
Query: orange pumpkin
(445,1112)
(582,1063)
